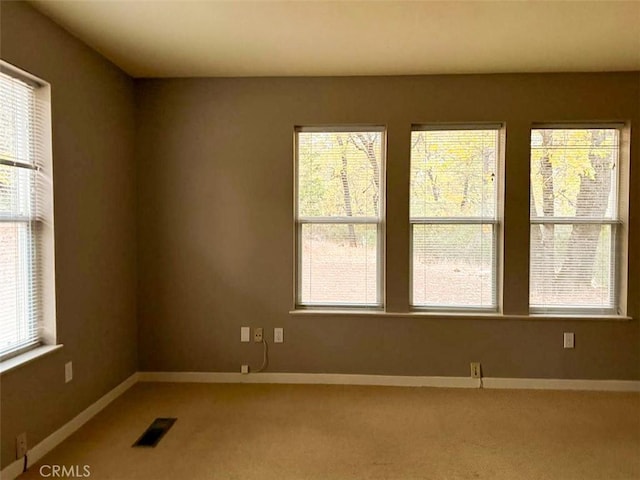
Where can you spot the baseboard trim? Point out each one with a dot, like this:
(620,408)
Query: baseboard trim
(34,454)
(393,381)
(310,379)
(562,384)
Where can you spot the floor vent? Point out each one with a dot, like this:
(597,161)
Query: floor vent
(155,432)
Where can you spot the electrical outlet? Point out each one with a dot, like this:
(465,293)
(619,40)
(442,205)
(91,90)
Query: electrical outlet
(68,372)
(476,371)
(244,369)
(21,445)
(278,335)
(257,335)
(245,334)
(569,340)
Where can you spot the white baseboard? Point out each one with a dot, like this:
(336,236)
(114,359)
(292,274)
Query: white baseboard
(562,384)
(14,469)
(310,379)
(393,381)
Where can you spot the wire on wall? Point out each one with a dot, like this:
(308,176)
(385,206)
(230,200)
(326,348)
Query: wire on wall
(265,357)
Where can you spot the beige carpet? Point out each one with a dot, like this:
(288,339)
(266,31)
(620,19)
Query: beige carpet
(280,432)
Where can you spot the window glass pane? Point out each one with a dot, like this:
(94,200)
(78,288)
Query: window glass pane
(16,120)
(20,308)
(573,176)
(573,173)
(339,264)
(16,191)
(453,173)
(572,266)
(453,265)
(339,174)
(16,283)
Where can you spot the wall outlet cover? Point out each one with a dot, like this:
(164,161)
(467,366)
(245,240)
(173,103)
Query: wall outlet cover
(278,335)
(476,371)
(244,369)
(68,372)
(257,335)
(569,340)
(245,333)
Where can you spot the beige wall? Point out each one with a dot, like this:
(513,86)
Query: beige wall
(94,183)
(216,231)
(213,198)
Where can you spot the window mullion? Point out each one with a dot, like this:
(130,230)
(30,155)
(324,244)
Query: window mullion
(453,221)
(339,220)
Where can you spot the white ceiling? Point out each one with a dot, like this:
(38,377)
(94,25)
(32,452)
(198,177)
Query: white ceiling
(282,38)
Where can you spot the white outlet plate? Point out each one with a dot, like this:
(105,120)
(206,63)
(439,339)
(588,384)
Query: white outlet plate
(68,372)
(244,369)
(476,371)
(278,335)
(257,335)
(245,334)
(569,340)
(21,445)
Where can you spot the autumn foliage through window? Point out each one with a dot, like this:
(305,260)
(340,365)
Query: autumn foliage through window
(339,212)
(454,216)
(574,218)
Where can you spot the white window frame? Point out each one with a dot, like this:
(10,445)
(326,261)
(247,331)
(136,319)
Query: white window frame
(616,223)
(42,221)
(495,222)
(378,221)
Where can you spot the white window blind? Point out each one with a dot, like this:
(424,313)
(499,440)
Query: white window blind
(24,191)
(574,219)
(454,217)
(339,216)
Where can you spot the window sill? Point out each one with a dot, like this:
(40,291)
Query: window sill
(458,315)
(27,357)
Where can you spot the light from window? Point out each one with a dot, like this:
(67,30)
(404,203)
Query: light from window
(574,218)
(22,195)
(339,212)
(454,217)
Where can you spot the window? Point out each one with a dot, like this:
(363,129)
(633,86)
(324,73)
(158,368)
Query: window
(25,211)
(339,212)
(454,216)
(574,219)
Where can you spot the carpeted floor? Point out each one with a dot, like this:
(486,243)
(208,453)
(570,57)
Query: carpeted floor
(281,432)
